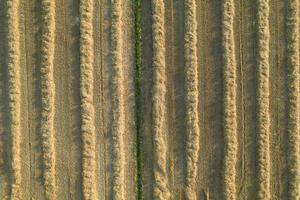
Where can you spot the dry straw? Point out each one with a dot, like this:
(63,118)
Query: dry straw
(87,108)
(230,123)
(47,90)
(14,93)
(292,24)
(262,100)
(191,98)
(118,123)
(160,188)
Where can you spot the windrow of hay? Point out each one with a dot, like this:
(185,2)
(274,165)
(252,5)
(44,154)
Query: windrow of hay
(292,25)
(118,122)
(262,101)
(191,98)
(47,94)
(86,93)
(14,93)
(160,187)
(229,120)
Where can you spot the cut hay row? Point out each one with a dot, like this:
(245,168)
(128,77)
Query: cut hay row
(160,187)
(191,87)
(47,94)
(292,25)
(14,93)
(87,109)
(262,100)
(229,120)
(118,123)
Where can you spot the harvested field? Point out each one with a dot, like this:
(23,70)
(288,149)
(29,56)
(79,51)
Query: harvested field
(149,99)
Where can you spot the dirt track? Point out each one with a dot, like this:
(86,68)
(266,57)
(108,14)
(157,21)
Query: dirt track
(211,106)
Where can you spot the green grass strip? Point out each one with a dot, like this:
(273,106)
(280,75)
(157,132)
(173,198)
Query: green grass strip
(137,82)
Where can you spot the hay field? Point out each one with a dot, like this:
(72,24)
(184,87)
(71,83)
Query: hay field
(149,99)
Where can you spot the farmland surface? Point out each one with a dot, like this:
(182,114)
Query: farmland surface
(149,99)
